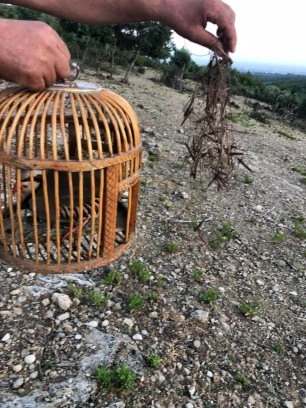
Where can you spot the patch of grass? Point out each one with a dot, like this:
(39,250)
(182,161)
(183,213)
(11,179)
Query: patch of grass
(154,360)
(97,298)
(113,277)
(299,230)
(260,116)
(160,280)
(212,295)
(278,348)
(167,204)
(278,238)
(253,221)
(242,380)
(47,361)
(143,182)
(178,165)
(153,296)
(75,291)
(197,275)
(135,302)
(162,198)
(117,379)
(226,234)
(248,180)
(302,172)
(286,135)
(140,271)
(239,118)
(249,310)
(172,247)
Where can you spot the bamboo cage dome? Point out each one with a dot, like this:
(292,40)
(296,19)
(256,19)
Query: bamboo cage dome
(70,160)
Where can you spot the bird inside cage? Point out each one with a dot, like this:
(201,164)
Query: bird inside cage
(67,196)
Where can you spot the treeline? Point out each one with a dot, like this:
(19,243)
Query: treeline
(150,45)
(286,95)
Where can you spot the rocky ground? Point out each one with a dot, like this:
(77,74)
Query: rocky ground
(224,307)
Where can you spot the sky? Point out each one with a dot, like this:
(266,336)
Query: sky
(272,31)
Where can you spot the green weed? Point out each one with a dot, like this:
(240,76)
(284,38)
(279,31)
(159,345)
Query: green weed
(299,230)
(172,247)
(140,271)
(75,291)
(249,310)
(278,238)
(113,277)
(210,296)
(226,234)
(135,302)
(197,275)
(118,379)
(154,360)
(97,299)
(278,348)
(248,180)
(286,135)
(242,380)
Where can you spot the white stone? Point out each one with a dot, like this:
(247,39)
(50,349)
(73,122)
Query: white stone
(153,315)
(18,383)
(189,405)
(184,195)
(128,322)
(200,315)
(288,404)
(33,375)
(17,368)
(62,300)
(209,374)
(105,323)
(78,336)
(45,302)
(93,323)
(197,344)
(137,337)
(63,316)
(6,337)
(29,359)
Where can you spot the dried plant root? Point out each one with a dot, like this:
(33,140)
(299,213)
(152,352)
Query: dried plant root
(212,150)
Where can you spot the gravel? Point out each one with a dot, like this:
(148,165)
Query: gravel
(246,347)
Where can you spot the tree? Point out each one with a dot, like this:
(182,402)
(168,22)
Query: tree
(152,39)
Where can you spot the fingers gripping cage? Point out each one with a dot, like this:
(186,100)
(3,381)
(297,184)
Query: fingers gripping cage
(70,162)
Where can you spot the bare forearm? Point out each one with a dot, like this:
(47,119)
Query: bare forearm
(99,11)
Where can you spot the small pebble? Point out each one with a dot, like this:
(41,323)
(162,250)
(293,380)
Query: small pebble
(105,323)
(128,322)
(33,375)
(6,337)
(78,336)
(63,316)
(209,374)
(137,337)
(16,368)
(93,323)
(197,344)
(29,359)
(18,383)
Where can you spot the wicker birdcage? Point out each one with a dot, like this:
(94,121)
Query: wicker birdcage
(75,152)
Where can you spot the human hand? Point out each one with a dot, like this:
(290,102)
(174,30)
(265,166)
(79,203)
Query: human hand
(189,19)
(32,54)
